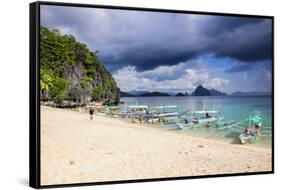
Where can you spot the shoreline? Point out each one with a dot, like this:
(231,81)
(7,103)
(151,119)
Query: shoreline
(158,126)
(75,149)
(193,135)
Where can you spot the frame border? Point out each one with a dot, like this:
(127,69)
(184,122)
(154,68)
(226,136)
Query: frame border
(34,94)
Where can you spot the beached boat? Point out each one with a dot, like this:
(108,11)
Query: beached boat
(114,111)
(197,120)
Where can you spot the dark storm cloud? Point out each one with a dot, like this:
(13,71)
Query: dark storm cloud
(248,43)
(146,59)
(146,40)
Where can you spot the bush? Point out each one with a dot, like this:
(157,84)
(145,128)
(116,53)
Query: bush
(85,82)
(58,89)
(97,93)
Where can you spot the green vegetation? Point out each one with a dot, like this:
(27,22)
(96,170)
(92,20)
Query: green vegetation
(58,89)
(97,93)
(70,71)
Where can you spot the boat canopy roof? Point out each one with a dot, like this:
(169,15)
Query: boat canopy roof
(204,112)
(163,107)
(113,107)
(256,119)
(137,106)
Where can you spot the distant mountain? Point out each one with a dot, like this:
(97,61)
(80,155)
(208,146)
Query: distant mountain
(201,91)
(146,94)
(155,94)
(179,94)
(251,93)
(217,93)
(126,94)
(137,93)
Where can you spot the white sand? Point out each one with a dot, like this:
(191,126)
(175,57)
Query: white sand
(75,149)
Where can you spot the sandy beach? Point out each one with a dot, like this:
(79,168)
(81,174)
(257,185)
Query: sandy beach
(75,149)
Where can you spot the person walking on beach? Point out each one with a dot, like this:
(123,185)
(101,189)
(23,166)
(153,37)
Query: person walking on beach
(91,112)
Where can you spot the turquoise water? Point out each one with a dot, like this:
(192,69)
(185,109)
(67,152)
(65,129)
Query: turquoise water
(234,109)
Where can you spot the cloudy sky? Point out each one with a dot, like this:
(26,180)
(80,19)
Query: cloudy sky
(172,52)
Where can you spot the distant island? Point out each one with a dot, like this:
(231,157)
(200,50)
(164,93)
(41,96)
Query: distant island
(155,94)
(251,94)
(145,94)
(199,91)
(180,94)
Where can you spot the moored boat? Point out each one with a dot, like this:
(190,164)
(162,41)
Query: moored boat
(165,113)
(210,117)
(253,132)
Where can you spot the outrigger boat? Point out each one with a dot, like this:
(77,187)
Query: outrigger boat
(197,120)
(112,111)
(164,113)
(136,111)
(254,128)
(130,111)
(253,132)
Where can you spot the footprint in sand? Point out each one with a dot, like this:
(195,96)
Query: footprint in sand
(71,162)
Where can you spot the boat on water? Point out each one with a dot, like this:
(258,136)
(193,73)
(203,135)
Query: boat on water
(253,132)
(164,113)
(130,111)
(200,118)
(252,127)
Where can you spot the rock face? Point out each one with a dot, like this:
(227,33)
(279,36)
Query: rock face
(70,72)
(201,91)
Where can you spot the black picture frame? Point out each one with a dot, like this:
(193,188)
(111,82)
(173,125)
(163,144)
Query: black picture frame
(34,94)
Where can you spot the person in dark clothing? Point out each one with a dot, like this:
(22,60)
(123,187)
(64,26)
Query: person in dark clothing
(91,112)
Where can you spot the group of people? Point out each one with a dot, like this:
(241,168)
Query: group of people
(140,111)
(139,117)
(252,131)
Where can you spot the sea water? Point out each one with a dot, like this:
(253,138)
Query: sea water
(234,109)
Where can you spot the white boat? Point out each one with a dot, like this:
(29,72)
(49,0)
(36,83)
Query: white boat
(183,125)
(252,127)
(164,113)
(101,114)
(210,117)
(253,132)
(136,110)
